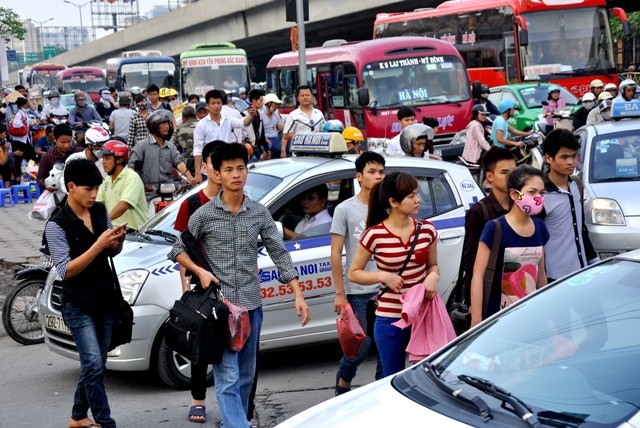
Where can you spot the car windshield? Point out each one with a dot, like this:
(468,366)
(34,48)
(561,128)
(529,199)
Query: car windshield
(258,185)
(615,157)
(416,81)
(534,95)
(568,353)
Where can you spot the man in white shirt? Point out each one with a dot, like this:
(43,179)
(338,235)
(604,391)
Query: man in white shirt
(215,126)
(314,206)
(228,110)
(303,119)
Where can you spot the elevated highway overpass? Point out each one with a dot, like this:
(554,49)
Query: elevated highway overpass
(258,26)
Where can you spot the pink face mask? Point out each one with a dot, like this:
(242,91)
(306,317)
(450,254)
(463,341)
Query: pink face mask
(530,205)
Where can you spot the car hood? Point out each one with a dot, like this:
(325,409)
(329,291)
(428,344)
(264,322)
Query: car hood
(623,192)
(377,404)
(136,254)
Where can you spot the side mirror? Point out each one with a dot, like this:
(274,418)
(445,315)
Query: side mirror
(40,107)
(363,97)
(626,28)
(619,13)
(523,37)
(476,88)
(544,102)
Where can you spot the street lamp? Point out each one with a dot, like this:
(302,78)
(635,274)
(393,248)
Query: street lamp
(41,39)
(79,6)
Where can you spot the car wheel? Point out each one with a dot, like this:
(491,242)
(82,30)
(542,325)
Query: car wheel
(174,369)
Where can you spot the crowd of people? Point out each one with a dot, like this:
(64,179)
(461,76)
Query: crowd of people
(531,225)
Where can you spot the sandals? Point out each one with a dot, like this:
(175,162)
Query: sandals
(197,414)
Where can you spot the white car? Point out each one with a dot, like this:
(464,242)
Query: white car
(151,283)
(565,356)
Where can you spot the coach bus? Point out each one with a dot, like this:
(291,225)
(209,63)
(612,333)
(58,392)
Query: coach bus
(220,65)
(567,42)
(363,84)
(43,75)
(86,79)
(142,68)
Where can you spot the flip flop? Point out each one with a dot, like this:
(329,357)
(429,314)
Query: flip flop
(197,411)
(91,425)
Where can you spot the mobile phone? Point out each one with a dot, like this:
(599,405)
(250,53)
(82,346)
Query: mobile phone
(124,225)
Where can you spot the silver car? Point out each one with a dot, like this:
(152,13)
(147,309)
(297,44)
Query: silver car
(610,155)
(151,283)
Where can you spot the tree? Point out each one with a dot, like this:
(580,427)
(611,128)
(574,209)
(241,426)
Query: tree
(616,26)
(10,25)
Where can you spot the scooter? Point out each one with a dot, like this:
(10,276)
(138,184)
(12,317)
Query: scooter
(20,316)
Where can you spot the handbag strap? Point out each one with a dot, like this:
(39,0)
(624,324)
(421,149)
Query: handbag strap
(116,282)
(489,273)
(406,261)
(195,252)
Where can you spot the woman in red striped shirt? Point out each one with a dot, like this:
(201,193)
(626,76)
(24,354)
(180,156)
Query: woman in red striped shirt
(389,235)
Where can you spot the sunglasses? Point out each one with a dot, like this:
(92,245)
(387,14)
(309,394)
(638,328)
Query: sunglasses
(171,99)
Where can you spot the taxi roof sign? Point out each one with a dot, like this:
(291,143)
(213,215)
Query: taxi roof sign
(319,143)
(625,109)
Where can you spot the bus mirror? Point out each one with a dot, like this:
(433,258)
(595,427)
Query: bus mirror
(363,96)
(619,13)
(524,38)
(626,28)
(476,88)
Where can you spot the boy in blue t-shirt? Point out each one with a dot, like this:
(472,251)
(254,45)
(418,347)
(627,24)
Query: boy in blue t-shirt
(500,130)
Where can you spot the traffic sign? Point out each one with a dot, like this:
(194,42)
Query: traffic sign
(49,52)
(12,55)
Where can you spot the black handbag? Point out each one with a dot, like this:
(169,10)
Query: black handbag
(372,304)
(122,329)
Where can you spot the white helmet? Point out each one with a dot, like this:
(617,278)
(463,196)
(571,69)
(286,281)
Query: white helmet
(627,83)
(412,133)
(96,135)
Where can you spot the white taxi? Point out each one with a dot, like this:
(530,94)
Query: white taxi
(151,282)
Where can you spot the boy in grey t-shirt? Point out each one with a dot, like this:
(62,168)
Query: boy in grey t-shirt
(348,225)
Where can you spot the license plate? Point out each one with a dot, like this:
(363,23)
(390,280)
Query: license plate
(55,322)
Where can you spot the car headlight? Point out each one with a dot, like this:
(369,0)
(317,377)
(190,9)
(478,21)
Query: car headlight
(606,212)
(131,283)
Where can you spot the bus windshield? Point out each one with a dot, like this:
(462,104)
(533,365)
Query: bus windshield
(416,81)
(85,83)
(143,74)
(568,42)
(199,80)
(43,78)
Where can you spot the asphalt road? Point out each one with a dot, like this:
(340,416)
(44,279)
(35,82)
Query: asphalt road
(37,388)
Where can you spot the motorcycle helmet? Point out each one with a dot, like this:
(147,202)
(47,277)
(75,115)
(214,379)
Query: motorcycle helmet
(626,83)
(96,136)
(333,125)
(604,96)
(506,105)
(553,88)
(412,133)
(156,118)
(163,93)
(117,149)
(596,83)
(78,96)
(484,88)
(170,92)
(605,104)
(351,133)
(610,87)
(135,90)
(53,94)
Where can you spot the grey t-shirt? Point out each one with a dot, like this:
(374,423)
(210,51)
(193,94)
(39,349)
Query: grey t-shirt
(121,119)
(349,219)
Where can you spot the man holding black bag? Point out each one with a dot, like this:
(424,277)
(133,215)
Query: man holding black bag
(81,239)
(228,229)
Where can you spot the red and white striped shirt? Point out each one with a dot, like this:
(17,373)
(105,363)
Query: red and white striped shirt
(390,252)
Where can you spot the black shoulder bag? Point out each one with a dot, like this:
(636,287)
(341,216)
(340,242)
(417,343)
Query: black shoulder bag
(123,324)
(372,305)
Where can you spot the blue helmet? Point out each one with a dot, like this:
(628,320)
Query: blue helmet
(506,105)
(333,125)
(553,88)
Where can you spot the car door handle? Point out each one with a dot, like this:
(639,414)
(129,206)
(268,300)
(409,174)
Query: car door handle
(447,236)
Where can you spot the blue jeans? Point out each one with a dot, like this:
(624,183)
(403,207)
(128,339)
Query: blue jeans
(234,377)
(392,343)
(92,334)
(348,365)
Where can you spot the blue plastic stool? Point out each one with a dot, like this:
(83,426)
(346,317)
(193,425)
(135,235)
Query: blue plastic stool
(3,194)
(21,193)
(35,190)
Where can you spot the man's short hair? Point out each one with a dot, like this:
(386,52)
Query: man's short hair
(255,94)
(321,190)
(404,112)
(431,122)
(189,112)
(230,151)
(49,129)
(495,155)
(209,148)
(302,88)
(19,87)
(82,172)
(153,88)
(213,94)
(139,98)
(62,129)
(560,138)
(193,97)
(368,157)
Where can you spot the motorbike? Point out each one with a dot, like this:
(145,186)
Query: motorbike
(20,316)
(531,153)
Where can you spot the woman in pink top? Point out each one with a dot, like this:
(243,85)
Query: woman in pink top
(389,235)
(475,141)
(554,102)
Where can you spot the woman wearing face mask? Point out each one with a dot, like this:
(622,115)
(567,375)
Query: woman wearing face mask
(519,268)
(106,105)
(272,122)
(485,101)
(54,112)
(580,116)
(138,125)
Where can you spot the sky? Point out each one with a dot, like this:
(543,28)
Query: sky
(67,15)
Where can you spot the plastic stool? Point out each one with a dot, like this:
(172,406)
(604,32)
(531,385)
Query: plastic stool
(3,194)
(21,193)
(35,189)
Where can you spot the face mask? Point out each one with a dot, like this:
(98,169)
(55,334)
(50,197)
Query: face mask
(588,105)
(97,153)
(55,102)
(485,96)
(142,107)
(606,115)
(174,103)
(530,205)
(81,103)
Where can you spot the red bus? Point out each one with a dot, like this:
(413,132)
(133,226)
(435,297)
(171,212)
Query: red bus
(364,83)
(567,42)
(43,75)
(86,79)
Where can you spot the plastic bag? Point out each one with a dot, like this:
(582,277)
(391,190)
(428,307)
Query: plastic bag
(350,332)
(239,326)
(44,206)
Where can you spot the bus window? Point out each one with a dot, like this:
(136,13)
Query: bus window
(287,87)
(272,81)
